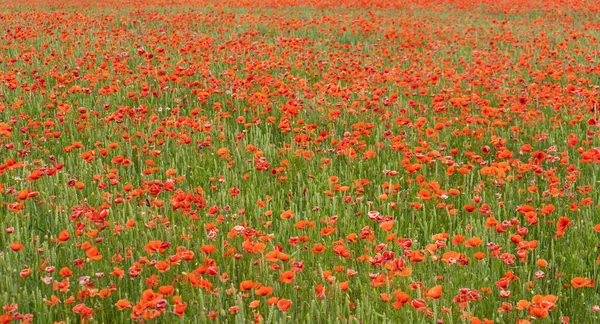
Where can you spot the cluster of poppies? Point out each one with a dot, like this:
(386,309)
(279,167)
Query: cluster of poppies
(299,161)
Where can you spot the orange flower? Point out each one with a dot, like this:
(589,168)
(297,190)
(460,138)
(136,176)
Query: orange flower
(318,248)
(153,246)
(387,225)
(579,282)
(523,304)
(561,226)
(54,300)
(63,236)
(16,246)
(440,237)
(458,239)
(327,231)
(385,297)
(208,249)
(93,254)
(284,304)
(5,318)
(179,309)
(479,255)
(25,273)
(166,290)
(65,272)
(162,266)
(418,304)
(538,311)
(344,285)
(401,299)
(246,285)
(122,304)
(473,242)
(425,194)
(435,292)
(287,277)
(287,214)
(264,291)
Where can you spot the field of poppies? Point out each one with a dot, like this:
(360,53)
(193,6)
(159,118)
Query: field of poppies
(299,161)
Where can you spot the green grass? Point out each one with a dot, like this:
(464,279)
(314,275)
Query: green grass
(337,67)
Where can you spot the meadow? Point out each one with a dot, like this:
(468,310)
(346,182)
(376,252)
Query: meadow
(299,161)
